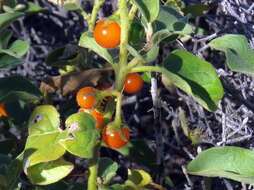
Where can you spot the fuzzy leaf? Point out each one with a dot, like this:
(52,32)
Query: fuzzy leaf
(230,162)
(240,57)
(45,118)
(84,136)
(107,169)
(9,62)
(148,8)
(49,172)
(44,147)
(194,76)
(18,88)
(173,21)
(87,41)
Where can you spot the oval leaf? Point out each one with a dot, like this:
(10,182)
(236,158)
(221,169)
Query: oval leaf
(139,177)
(5,38)
(44,119)
(107,169)
(43,148)
(17,49)
(83,135)
(173,21)
(18,88)
(230,162)
(197,77)
(49,172)
(87,41)
(7,18)
(149,9)
(240,57)
(9,62)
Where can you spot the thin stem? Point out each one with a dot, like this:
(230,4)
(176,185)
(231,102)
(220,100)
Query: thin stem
(123,55)
(135,62)
(133,12)
(146,69)
(92,19)
(119,96)
(84,14)
(93,169)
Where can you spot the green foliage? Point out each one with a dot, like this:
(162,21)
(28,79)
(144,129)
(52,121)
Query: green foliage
(44,119)
(7,18)
(107,169)
(194,76)
(67,55)
(49,172)
(87,41)
(240,57)
(230,162)
(171,20)
(84,136)
(196,10)
(148,8)
(18,88)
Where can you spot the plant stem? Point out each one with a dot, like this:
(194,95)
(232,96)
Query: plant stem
(123,55)
(93,169)
(133,12)
(147,69)
(119,96)
(92,19)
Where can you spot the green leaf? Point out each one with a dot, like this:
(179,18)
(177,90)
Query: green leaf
(5,36)
(173,21)
(17,49)
(13,173)
(136,33)
(117,187)
(33,8)
(139,177)
(152,54)
(134,52)
(240,57)
(7,18)
(9,62)
(194,76)
(196,10)
(149,9)
(18,88)
(146,76)
(63,56)
(230,162)
(72,7)
(84,136)
(175,4)
(49,172)
(44,147)
(161,35)
(107,169)
(45,118)
(87,41)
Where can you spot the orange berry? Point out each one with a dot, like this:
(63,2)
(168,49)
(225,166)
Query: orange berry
(86,98)
(2,111)
(107,33)
(133,83)
(98,117)
(116,138)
